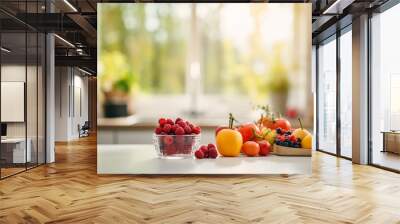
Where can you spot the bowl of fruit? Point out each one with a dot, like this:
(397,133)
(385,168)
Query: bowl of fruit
(296,142)
(176,139)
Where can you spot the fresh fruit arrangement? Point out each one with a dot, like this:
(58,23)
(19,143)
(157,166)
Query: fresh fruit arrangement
(296,142)
(180,138)
(244,138)
(260,138)
(176,138)
(206,151)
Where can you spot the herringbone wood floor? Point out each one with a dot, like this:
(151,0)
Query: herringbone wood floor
(70,191)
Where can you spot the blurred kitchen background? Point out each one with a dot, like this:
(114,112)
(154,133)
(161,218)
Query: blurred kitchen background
(200,62)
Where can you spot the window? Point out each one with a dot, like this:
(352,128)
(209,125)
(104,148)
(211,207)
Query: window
(385,87)
(174,51)
(327,96)
(346,94)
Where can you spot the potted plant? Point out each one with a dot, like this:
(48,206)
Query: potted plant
(117,83)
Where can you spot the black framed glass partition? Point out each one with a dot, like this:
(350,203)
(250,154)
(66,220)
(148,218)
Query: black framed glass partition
(14,153)
(326,100)
(385,88)
(22,77)
(334,94)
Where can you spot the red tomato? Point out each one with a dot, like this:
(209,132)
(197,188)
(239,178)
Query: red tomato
(283,124)
(265,147)
(247,131)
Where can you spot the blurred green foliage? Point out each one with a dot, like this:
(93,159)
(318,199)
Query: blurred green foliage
(145,47)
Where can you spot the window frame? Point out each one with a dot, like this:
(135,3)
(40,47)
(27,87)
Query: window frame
(333,37)
(371,13)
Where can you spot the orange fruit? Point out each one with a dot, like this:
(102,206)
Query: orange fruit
(251,148)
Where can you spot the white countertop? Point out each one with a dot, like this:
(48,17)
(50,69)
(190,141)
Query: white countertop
(142,159)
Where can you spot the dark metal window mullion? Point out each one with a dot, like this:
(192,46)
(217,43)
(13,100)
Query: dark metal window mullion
(26,87)
(73,92)
(37,90)
(317,97)
(338,95)
(369,94)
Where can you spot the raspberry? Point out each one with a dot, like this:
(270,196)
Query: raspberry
(179,131)
(174,127)
(213,153)
(169,150)
(168,140)
(210,146)
(169,121)
(162,121)
(158,130)
(196,130)
(188,130)
(180,140)
(178,119)
(167,128)
(181,123)
(199,154)
(204,149)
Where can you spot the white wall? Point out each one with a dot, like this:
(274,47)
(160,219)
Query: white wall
(71,94)
(12,73)
(33,126)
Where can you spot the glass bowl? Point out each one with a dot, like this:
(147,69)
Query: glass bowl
(175,146)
